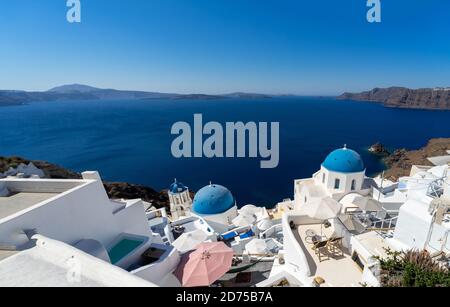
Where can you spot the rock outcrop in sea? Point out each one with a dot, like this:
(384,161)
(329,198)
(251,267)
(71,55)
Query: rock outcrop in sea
(379,149)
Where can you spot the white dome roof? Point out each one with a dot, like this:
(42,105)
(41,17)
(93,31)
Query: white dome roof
(250,209)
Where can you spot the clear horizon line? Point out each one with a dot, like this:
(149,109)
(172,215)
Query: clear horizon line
(215,94)
(181,93)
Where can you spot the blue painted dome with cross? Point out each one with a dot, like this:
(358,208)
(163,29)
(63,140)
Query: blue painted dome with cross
(344,160)
(177,187)
(213,199)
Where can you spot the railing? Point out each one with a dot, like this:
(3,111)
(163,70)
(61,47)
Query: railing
(271,231)
(384,225)
(436,188)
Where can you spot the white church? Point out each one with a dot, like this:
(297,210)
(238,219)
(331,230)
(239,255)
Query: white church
(342,173)
(213,203)
(180,200)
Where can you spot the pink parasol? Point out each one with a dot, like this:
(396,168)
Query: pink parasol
(205,265)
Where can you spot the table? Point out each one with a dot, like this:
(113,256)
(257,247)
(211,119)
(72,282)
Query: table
(310,233)
(311,236)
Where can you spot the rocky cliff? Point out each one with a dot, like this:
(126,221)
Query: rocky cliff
(401,97)
(400,162)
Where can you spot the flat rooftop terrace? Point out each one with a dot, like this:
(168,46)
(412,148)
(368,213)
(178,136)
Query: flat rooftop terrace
(22,194)
(336,270)
(18,202)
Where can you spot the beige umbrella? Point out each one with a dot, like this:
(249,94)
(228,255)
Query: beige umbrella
(368,204)
(243,220)
(264,225)
(257,247)
(249,210)
(189,241)
(326,209)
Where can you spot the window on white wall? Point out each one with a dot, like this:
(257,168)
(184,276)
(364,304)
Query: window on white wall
(337,183)
(323,178)
(353,184)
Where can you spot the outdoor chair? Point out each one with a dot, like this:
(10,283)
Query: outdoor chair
(335,246)
(321,250)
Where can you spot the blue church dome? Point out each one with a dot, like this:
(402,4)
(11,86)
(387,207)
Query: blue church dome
(213,199)
(344,161)
(177,187)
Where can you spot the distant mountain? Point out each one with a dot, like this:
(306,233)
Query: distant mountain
(199,96)
(85,92)
(401,97)
(73,88)
(240,95)
(20,97)
(107,94)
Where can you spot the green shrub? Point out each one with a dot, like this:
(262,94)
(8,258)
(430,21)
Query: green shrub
(413,269)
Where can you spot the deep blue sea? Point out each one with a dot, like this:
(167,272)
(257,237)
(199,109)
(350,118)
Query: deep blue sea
(130,140)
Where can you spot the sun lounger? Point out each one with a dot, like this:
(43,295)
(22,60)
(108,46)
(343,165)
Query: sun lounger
(229,236)
(246,235)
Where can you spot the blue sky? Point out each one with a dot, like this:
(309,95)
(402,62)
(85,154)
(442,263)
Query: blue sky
(218,46)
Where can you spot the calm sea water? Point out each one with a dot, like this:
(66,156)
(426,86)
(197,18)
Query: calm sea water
(130,140)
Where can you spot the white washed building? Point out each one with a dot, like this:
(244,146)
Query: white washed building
(341,173)
(79,214)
